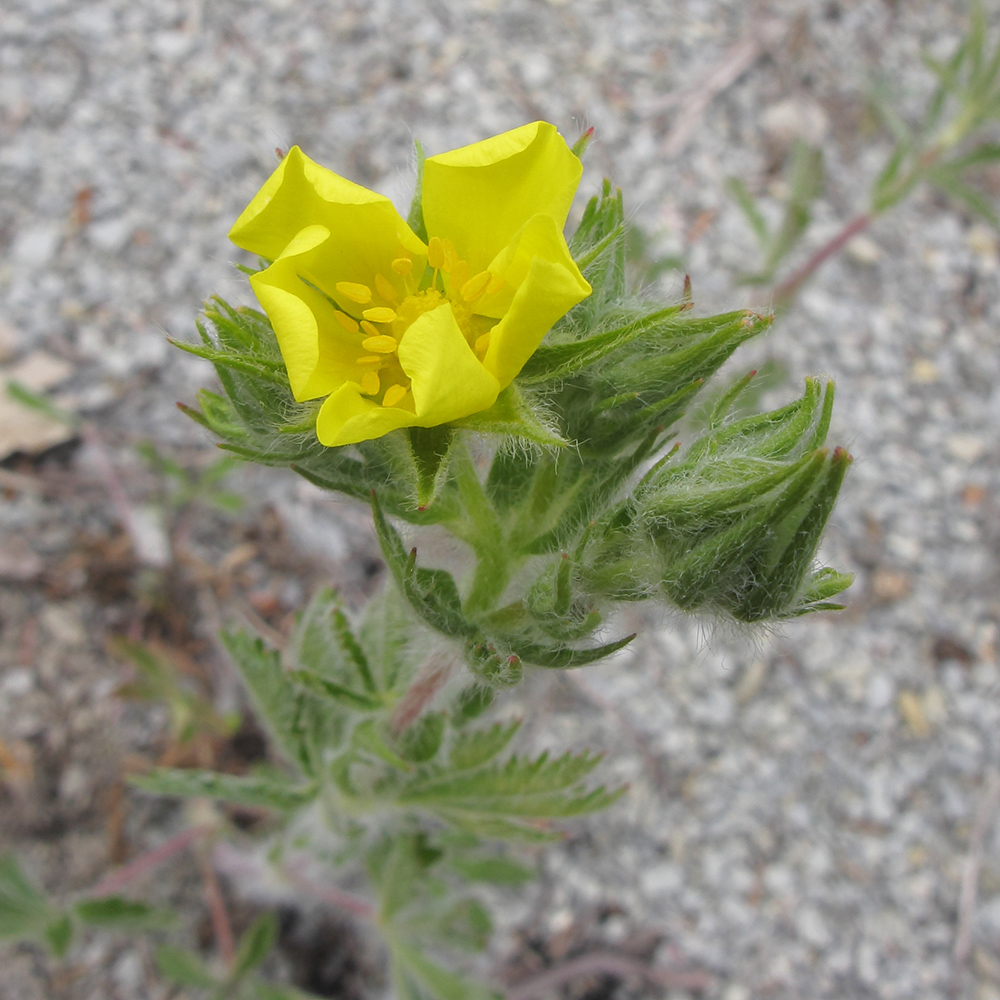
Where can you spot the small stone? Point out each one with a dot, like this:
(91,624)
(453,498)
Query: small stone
(966,447)
(890,585)
(796,119)
(36,245)
(64,624)
(812,928)
(923,371)
(863,250)
(912,710)
(983,243)
(17,682)
(74,785)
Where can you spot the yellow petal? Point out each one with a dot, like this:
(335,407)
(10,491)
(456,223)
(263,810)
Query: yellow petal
(479,196)
(447,380)
(318,352)
(347,417)
(300,193)
(541,284)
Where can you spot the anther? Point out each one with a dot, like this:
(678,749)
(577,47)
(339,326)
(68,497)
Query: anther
(435,252)
(379,314)
(496,283)
(355,292)
(482,343)
(370,328)
(370,383)
(402,265)
(393,395)
(385,288)
(475,286)
(349,323)
(382,344)
(368,359)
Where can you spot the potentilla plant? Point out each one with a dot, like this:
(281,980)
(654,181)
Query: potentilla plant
(469,369)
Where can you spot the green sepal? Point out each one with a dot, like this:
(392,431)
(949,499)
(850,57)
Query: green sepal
(471,702)
(242,790)
(415,218)
(429,449)
(563,657)
(512,416)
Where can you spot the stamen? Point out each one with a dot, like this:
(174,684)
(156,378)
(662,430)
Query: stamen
(475,286)
(393,395)
(370,383)
(401,265)
(349,323)
(355,292)
(482,343)
(459,274)
(450,256)
(435,253)
(386,288)
(496,283)
(382,344)
(368,359)
(370,328)
(379,314)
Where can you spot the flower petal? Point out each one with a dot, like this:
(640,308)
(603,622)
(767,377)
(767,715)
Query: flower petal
(448,380)
(480,195)
(300,193)
(319,353)
(541,284)
(347,417)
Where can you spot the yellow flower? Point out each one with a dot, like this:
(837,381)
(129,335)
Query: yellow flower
(399,333)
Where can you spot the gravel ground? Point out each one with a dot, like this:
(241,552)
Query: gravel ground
(803,805)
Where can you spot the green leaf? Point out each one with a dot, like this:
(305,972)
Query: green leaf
(184,968)
(276,699)
(255,945)
(265,792)
(59,935)
(335,692)
(33,401)
(471,702)
(24,910)
(434,980)
(475,748)
(562,657)
(431,592)
(748,206)
(127,914)
(467,924)
(496,871)
(423,739)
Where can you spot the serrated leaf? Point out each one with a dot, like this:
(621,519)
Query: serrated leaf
(255,945)
(126,914)
(335,692)
(245,790)
(562,657)
(473,749)
(432,593)
(276,699)
(184,968)
(466,924)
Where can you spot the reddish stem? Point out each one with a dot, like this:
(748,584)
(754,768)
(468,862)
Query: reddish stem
(354,905)
(217,907)
(146,862)
(785,291)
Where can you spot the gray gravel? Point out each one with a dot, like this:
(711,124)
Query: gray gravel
(802,803)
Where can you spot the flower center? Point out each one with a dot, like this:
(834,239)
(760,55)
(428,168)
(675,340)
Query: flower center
(387,310)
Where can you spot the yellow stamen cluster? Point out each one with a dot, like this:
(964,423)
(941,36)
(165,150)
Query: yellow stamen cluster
(380,344)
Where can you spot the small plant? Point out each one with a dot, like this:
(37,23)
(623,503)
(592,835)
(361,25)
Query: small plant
(472,370)
(945,148)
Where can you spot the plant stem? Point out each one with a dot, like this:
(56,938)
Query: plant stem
(354,905)
(217,907)
(787,289)
(146,862)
